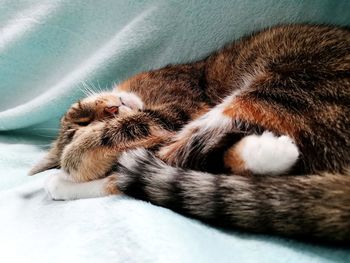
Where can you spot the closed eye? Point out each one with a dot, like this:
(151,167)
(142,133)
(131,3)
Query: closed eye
(121,101)
(83,121)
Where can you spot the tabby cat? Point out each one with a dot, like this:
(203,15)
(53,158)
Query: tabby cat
(255,136)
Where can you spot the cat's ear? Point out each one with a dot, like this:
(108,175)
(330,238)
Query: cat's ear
(50,161)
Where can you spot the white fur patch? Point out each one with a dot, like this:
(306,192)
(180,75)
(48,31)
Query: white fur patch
(215,118)
(269,154)
(211,126)
(59,188)
(127,158)
(130,99)
(95,96)
(126,101)
(212,120)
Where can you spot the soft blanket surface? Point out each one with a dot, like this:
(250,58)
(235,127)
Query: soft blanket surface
(49,51)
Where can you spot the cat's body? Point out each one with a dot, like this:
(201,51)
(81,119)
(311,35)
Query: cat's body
(291,80)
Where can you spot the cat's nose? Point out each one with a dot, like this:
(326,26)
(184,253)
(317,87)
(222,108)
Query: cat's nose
(112,109)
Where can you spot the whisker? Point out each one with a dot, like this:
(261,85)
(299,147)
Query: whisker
(85,89)
(89,89)
(92,88)
(115,84)
(98,86)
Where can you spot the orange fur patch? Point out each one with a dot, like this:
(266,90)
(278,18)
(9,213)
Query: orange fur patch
(95,164)
(111,186)
(124,86)
(263,115)
(203,109)
(169,153)
(233,160)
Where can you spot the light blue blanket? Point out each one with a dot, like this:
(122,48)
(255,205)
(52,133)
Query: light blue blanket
(48,51)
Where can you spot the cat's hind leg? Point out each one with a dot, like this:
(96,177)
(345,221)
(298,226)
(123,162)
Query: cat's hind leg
(236,115)
(197,138)
(265,154)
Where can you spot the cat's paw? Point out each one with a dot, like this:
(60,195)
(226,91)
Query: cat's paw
(196,139)
(175,152)
(58,188)
(269,154)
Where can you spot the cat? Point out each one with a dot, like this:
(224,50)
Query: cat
(291,80)
(252,150)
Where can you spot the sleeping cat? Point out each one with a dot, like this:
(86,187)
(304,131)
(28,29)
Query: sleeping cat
(291,80)
(265,154)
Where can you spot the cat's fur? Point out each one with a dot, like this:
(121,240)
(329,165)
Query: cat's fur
(97,107)
(292,80)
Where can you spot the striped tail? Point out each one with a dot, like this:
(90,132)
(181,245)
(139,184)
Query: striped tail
(313,206)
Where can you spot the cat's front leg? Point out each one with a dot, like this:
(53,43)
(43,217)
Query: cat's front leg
(61,187)
(96,147)
(85,158)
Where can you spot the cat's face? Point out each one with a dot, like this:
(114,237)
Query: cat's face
(98,107)
(102,106)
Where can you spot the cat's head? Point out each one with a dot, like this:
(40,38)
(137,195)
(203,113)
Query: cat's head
(98,107)
(102,106)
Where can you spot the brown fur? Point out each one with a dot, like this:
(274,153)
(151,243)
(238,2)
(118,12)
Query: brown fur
(292,80)
(261,113)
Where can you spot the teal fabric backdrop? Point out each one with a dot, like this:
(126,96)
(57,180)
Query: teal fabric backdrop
(50,50)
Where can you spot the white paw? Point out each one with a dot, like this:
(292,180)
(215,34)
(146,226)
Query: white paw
(59,188)
(269,154)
